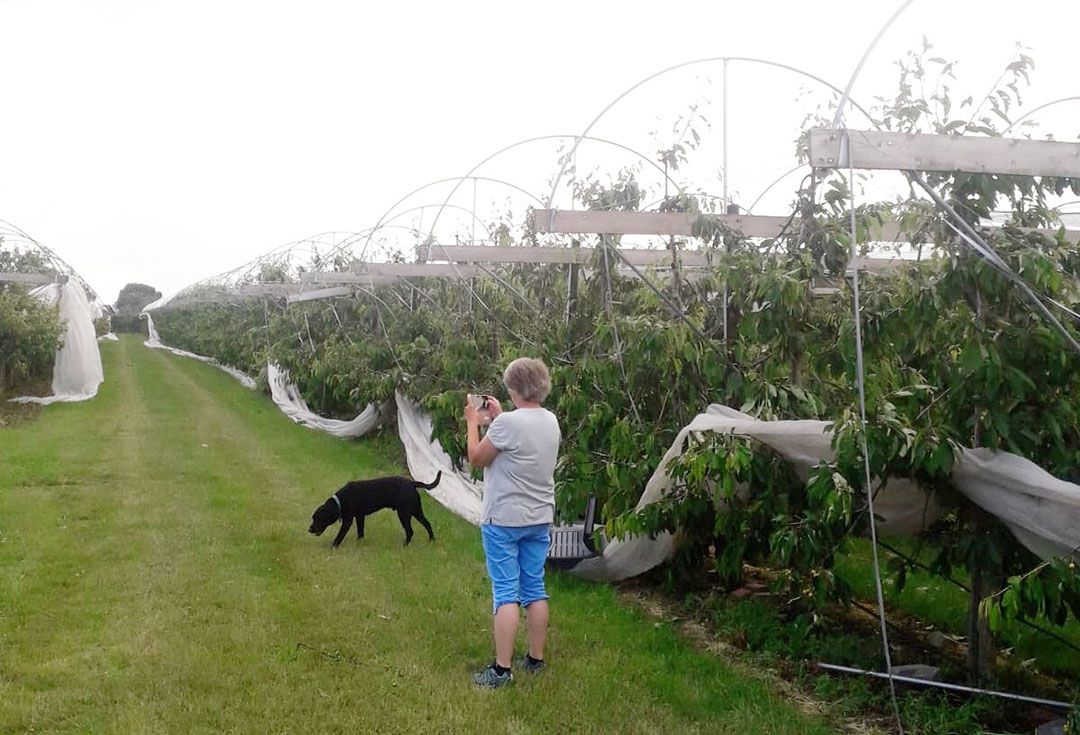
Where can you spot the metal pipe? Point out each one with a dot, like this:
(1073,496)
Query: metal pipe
(565,159)
(947,686)
(747,59)
(1033,110)
(862,61)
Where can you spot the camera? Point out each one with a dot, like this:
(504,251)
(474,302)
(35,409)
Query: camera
(478,401)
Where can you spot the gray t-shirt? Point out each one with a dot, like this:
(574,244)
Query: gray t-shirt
(519,485)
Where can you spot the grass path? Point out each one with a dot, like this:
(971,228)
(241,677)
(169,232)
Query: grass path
(156,576)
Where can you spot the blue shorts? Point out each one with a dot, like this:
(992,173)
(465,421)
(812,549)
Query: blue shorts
(515,562)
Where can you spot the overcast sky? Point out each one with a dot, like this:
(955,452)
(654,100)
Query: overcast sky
(163,142)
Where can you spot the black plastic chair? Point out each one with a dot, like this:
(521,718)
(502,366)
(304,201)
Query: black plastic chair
(575,542)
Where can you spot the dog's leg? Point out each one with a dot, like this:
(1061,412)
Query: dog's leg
(424,522)
(346,522)
(359,527)
(406,523)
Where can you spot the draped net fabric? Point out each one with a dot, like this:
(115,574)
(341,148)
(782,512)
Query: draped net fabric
(154,342)
(287,397)
(77,372)
(1042,511)
(426,457)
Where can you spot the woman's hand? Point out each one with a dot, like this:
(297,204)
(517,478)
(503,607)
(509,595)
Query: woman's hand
(481,452)
(494,408)
(472,415)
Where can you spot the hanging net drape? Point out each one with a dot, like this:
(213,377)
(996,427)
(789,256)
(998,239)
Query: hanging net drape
(77,372)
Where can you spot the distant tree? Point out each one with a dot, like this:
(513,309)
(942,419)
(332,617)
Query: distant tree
(133,297)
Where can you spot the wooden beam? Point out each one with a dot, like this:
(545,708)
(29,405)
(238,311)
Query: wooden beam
(265,289)
(374,274)
(322,293)
(641,223)
(919,152)
(577,256)
(612,223)
(668,223)
(417,270)
(649,223)
(201,300)
(554,255)
(34,279)
(313,280)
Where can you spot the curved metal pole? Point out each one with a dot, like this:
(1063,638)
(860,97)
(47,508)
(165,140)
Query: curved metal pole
(351,237)
(861,379)
(53,259)
(279,250)
(15,229)
(419,189)
(863,60)
(750,209)
(459,180)
(255,261)
(747,59)
(702,194)
(384,223)
(475,216)
(566,158)
(1032,111)
(371,231)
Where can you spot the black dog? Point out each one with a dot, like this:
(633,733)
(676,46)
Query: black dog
(364,497)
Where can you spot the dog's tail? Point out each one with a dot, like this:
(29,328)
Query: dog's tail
(428,486)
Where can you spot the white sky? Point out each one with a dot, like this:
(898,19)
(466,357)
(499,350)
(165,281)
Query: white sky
(163,142)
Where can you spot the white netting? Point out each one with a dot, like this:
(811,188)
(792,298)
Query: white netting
(155,343)
(426,457)
(285,394)
(77,372)
(1042,511)
(287,397)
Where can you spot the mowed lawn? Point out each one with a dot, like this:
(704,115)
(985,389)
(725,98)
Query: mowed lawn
(156,576)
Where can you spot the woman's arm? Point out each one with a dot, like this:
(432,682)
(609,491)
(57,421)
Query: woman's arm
(481,451)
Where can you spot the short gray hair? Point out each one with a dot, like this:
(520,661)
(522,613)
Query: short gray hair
(529,378)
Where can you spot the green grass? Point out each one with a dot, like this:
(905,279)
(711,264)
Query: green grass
(156,576)
(934,600)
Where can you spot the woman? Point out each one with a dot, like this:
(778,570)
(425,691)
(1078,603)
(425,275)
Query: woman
(518,456)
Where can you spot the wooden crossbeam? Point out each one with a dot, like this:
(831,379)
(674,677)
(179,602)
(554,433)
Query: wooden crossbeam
(321,293)
(313,280)
(201,300)
(529,254)
(374,274)
(34,279)
(266,289)
(920,152)
(669,223)
(418,270)
(561,256)
(648,223)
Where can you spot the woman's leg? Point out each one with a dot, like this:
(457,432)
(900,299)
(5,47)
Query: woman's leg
(536,623)
(506,625)
(501,555)
(531,558)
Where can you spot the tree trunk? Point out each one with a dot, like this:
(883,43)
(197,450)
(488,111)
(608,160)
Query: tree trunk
(571,291)
(981,650)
